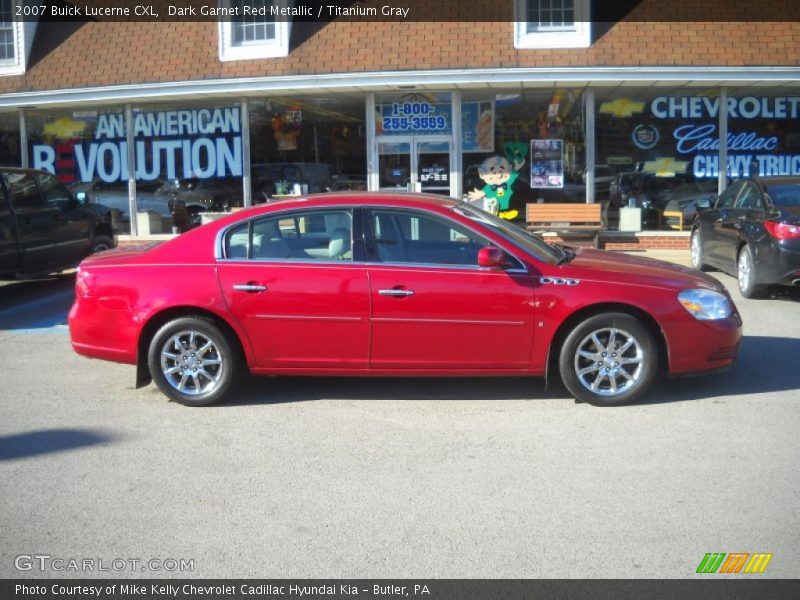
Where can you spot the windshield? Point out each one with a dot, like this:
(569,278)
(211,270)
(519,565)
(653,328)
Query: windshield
(519,237)
(785,195)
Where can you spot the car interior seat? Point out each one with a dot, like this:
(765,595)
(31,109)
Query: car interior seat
(272,243)
(340,245)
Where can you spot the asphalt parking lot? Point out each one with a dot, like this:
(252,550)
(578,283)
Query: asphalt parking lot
(394,478)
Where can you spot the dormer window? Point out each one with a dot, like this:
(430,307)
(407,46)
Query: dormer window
(259,31)
(11,47)
(552,24)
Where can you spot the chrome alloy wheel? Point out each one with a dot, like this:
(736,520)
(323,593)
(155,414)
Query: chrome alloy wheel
(609,361)
(697,250)
(745,270)
(191,363)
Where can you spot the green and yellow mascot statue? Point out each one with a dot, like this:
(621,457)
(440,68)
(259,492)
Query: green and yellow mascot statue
(499,174)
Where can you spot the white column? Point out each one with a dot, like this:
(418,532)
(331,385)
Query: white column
(247,195)
(589,137)
(373,183)
(456,183)
(23,140)
(722,181)
(133,209)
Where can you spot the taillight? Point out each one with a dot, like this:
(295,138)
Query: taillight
(83,283)
(782,231)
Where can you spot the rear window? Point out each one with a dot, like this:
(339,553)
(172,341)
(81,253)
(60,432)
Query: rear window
(785,195)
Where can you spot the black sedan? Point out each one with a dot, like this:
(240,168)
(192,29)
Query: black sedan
(753,232)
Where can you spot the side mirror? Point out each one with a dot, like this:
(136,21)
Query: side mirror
(80,197)
(491,258)
(704,203)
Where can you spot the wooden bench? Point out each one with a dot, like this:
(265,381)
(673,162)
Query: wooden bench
(571,219)
(675,214)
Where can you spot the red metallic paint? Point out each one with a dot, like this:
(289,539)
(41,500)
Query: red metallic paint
(331,319)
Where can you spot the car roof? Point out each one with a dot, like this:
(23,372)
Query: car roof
(777,180)
(22,170)
(367,198)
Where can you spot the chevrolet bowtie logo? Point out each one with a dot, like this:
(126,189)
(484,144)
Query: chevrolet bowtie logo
(65,128)
(622,107)
(735,562)
(665,167)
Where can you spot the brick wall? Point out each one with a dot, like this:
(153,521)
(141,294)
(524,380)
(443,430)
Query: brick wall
(613,240)
(108,53)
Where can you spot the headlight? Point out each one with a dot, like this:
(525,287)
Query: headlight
(705,305)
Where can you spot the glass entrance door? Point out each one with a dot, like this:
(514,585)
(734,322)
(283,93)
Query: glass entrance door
(415,164)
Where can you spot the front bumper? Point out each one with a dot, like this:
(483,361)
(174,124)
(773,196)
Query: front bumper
(704,346)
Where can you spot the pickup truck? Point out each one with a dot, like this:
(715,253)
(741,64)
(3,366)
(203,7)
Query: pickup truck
(44,228)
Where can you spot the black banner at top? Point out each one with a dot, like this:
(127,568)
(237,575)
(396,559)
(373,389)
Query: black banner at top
(486,11)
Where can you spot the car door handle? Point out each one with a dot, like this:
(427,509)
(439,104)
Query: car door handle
(396,293)
(251,288)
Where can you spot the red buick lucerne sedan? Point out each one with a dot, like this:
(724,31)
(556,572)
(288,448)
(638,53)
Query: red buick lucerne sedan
(394,285)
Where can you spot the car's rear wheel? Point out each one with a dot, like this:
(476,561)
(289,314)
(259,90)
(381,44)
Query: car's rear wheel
(608,359)
(193,361)
(698,255)
(101,243)
(746,274)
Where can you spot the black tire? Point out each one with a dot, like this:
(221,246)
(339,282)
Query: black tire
(639,361)
(698,256)
(101,243)
(747,283)
(190,368)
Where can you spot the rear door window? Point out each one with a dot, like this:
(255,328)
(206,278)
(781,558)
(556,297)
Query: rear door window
(323,235)
(750,198)
(24,191)
(728,197)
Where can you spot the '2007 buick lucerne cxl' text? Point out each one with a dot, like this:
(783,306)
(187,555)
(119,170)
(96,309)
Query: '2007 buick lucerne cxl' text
(394,285)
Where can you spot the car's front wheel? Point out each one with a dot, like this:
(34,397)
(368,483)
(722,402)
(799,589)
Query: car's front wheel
(193,361)
(609,359)
(746,274)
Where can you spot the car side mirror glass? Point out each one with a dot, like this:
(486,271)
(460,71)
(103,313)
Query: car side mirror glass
(491,257)
(704,203)
(80,197)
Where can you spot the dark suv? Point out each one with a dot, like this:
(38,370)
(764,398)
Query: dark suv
(43,227)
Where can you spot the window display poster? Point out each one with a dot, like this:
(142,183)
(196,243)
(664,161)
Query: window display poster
(477,126)
(547,164)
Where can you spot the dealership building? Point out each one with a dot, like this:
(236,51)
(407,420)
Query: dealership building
(265,106)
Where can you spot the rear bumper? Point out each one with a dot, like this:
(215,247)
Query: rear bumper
(779,263)
(98,331)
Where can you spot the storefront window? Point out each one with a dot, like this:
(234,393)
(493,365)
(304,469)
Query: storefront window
(188,161)
(660,146)
(302,145)
(763,134)
(9,140)
(523,146)
(75,145)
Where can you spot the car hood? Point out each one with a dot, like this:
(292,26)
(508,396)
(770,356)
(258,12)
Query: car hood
(615,267)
